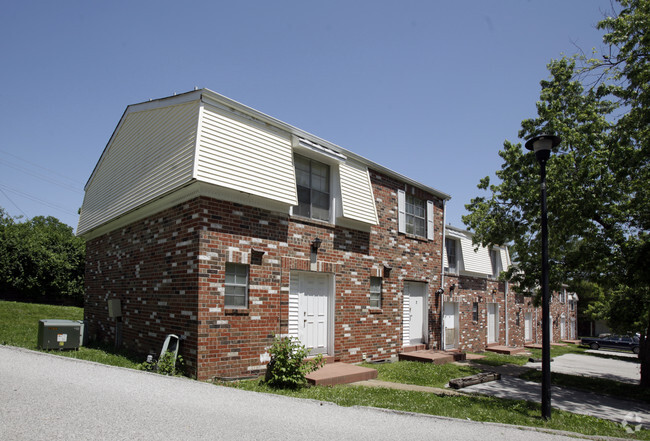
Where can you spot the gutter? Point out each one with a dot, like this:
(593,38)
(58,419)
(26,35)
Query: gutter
(442,276)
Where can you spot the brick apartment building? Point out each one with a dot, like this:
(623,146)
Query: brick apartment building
(217,223)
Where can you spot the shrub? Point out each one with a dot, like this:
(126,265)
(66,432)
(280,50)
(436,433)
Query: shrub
(288,367)
(165,366)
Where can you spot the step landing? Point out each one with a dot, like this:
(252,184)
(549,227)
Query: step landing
(340,373)
(539,345)
(432,356)
(507,350)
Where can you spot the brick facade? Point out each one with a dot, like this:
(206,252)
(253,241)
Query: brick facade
(168,270)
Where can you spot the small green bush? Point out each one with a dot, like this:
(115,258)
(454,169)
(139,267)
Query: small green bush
(165,366)
(288,367)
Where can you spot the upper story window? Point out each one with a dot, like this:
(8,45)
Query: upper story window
(495,260)
(313,182)
(452,255)
(375,292)
(236,285)
(563,295)
(415,215)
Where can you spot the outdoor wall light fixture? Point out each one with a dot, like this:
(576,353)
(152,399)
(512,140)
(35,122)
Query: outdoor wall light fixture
(542,145)
(387,270)
(315,245)
(452,288)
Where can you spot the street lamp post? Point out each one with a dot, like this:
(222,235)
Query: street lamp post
(542,146)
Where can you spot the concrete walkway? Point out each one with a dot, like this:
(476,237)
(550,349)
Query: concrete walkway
(585,403)
(571,400)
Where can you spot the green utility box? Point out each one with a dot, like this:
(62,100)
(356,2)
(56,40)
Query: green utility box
(59,334)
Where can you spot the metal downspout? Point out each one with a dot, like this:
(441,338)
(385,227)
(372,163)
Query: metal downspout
(442,275)
(505,302)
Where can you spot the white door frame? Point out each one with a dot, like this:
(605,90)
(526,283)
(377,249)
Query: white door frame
(297,287)
(416,289)
(447,308)
(528,326)
(493,331)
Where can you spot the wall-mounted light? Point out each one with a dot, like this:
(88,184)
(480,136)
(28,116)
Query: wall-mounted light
(315,244)
(494,292)
(452,288)
(387,270)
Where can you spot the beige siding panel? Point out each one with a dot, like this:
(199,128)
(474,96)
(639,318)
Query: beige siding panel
(475,261)
(505,259)
(243,155)
(356,193)
(150,154)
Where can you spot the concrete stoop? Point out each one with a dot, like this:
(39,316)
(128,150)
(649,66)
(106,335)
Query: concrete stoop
(332,374)
(432,356)
(507,350)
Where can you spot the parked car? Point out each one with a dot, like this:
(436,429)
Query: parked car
(624,342)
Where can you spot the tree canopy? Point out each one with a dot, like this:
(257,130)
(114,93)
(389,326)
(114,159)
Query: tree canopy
(40,259)
(597,178)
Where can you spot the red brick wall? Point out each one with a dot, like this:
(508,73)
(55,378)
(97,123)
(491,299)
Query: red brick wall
(169,269)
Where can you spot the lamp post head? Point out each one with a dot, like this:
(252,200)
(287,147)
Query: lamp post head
(315,245)
(542,145)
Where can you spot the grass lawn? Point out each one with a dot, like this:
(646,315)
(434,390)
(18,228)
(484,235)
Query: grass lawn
(475,408)
(421,374)
(19,327)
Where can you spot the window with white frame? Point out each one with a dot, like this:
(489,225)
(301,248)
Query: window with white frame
(495,260)
(313,185)
(375,292)
(236,292)
(563,295)
(452,255)
(416,216)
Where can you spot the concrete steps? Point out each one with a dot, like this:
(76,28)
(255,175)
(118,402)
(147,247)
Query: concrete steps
(432,356)
(340,373)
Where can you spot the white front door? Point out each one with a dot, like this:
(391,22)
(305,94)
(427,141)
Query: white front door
(493,322)
(314,311)
(572,329)
(550,328)
(417,293)
(450,322)
(562,328)
(528,326)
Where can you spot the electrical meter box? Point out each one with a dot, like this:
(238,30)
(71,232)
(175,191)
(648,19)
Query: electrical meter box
(59,334)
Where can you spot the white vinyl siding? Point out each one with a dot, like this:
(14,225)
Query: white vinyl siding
(505,258)
(406,319)
(356,193)
(241,155)
(475,261)
(294,307)
(150,154)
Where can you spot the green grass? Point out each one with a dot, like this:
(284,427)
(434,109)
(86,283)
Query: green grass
(19,327)
(494,359)
(474,408)
(421,374)
(591,384)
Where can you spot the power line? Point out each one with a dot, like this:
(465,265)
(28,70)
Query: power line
(72,181)
(42,177)
(15,205)
(36,199)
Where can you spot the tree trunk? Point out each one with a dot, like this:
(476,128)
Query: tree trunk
(644,357)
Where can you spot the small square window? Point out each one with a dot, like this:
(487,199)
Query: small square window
(236,285)
(375,292)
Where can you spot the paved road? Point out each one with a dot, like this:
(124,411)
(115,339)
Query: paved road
(45,397)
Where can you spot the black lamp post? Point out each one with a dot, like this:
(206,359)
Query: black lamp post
(542,146)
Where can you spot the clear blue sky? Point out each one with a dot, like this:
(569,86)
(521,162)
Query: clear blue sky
(430,89)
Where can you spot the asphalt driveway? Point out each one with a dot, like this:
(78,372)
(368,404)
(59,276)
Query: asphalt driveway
(594,366)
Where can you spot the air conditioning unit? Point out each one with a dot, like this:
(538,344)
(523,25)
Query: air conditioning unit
(59,334)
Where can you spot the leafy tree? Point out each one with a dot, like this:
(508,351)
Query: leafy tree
(598,192)
(41,259)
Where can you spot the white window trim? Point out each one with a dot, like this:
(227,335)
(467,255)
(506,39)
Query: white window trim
(376,293)
(401,216)
(245,285)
